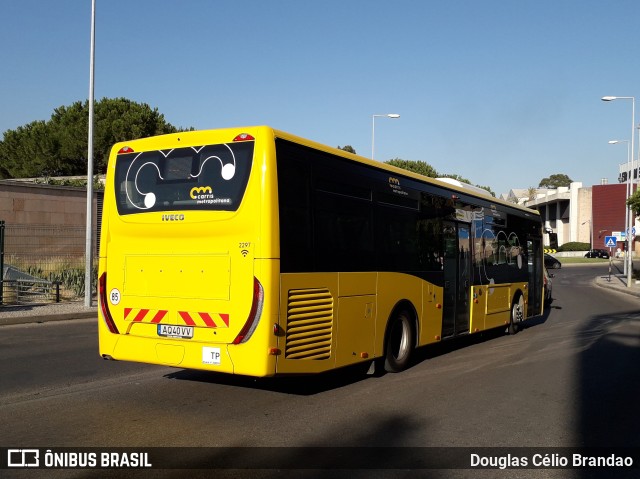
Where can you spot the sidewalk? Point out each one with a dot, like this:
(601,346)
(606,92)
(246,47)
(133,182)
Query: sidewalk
(617,281)
(41,312)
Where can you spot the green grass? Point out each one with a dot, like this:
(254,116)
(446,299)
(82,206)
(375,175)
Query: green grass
(582,260)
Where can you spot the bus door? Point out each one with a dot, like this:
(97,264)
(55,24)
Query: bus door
(457,279)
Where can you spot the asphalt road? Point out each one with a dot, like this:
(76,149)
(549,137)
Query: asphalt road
(569,379)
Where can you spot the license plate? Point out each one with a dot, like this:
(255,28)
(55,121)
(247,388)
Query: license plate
(173,331)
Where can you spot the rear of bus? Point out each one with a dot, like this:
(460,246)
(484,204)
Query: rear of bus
(187,270)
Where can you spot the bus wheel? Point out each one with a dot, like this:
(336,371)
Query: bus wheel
(517,315)
(400,342)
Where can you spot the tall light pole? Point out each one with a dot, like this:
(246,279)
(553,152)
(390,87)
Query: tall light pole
(88,258)
(628,181)
(627,258)
(373,128)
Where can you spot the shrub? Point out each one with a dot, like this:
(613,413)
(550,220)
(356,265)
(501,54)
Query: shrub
(73,279)
(575,246)
(69,273)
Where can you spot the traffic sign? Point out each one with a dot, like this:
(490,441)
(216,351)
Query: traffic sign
(610,241)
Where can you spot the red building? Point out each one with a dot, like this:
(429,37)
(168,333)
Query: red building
(608,210)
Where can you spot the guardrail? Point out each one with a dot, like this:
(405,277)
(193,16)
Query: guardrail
(29,291)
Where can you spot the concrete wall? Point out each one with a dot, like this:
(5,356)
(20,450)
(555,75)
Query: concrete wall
(583,215)
(44,221)
(32,204)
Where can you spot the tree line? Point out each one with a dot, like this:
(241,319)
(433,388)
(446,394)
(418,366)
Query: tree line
(59,146)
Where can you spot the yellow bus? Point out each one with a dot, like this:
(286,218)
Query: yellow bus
(256,252)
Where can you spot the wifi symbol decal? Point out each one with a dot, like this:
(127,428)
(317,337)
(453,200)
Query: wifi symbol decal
(244,252)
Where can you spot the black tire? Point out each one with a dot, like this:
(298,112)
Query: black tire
(400,342)
(517,314)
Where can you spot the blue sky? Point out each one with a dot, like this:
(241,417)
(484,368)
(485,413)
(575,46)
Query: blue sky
(503,93)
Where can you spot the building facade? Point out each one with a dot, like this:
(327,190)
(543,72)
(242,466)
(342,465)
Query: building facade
(580,214)
(610,216)
(565,212)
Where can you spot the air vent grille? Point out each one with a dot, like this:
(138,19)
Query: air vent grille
(309,324)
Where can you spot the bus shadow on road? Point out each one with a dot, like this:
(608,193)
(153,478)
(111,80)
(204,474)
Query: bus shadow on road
(303,385)
(457,343)
(541,319)
(310,384)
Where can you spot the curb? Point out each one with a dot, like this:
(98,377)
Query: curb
(45,318)
(602,282)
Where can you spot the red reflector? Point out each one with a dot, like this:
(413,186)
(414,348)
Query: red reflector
(104,307)
(254,315)
(244,137)
(125,149)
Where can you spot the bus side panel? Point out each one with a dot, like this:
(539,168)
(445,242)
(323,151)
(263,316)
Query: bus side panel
(493,309)
(356,318)
(331,320)
(431,320)
(480,295)
(498,306)
(308,303)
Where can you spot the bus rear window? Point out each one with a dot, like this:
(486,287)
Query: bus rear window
(211,177)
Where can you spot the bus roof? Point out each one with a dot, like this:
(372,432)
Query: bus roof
(448,183)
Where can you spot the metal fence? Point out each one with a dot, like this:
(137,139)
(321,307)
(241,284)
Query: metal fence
(42,263)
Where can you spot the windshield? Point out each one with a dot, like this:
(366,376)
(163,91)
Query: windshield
(210,177)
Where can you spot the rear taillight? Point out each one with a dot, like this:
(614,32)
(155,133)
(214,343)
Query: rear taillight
(254,316)
(104,306)
(244,137)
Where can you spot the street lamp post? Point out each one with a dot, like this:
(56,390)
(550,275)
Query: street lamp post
(88,273)
(373,128)
(627,259)
(628,181)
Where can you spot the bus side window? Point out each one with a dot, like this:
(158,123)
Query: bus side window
(343,234)
(295,215)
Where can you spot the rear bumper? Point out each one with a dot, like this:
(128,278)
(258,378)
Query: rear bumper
(178,353)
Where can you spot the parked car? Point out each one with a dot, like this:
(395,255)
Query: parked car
(597,253)
(548,287)
(551,263)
